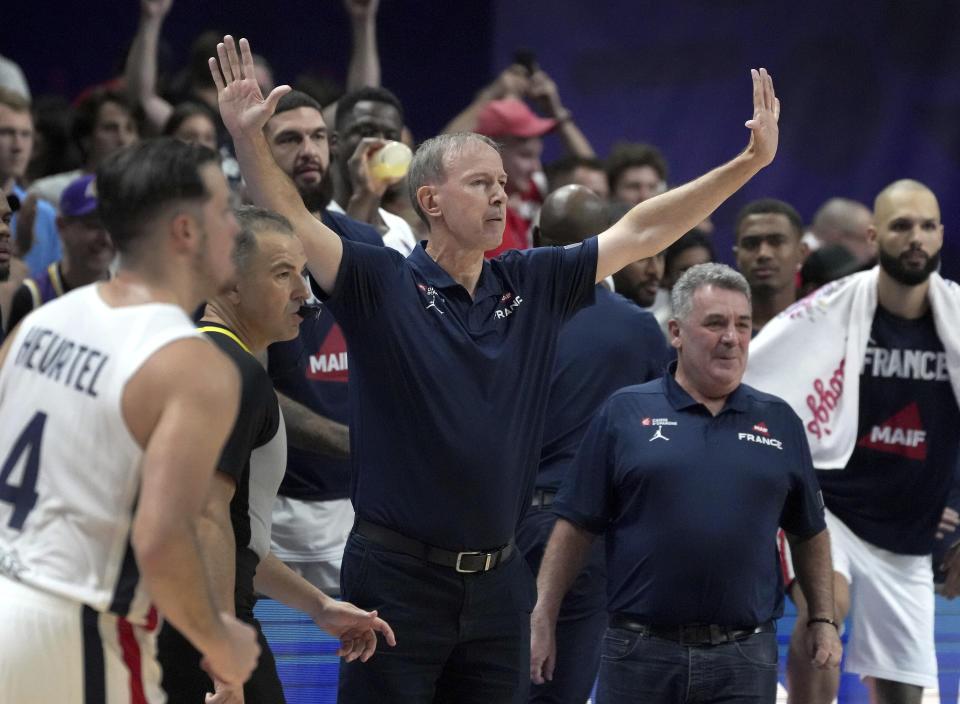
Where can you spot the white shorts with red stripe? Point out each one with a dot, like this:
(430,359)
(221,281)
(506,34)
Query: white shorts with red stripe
(57,650)
(891,609)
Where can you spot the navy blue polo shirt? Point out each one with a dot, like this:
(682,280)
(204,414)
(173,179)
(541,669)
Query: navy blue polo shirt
(602,348)
(313,369)
(447,393)
(907,442)
(691,502)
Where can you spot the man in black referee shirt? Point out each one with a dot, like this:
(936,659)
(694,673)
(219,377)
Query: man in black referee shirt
(234,530)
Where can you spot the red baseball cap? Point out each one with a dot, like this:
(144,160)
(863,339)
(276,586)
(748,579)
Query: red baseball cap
(511,118)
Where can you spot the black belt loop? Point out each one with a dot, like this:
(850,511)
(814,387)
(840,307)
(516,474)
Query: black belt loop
(691,634)
(543,498)
(464,562)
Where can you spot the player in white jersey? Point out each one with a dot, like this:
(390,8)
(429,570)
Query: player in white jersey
(874,373)
(107,448)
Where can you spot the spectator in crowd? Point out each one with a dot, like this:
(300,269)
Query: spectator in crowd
(234,533)
(874,373)
(105,122)
(87,252)
(846,222)
(636,172)
(38,245)
(363,67)
(519,134)
(447,371)
(90,557)
(313,516)
(53,149)
(602,348)
(825,264)
(693,248)
(367,119)
(579,170)
(638,281)
(500,113)
(193,122)
(140,71)
(767,234)
(396,199)
(692,611)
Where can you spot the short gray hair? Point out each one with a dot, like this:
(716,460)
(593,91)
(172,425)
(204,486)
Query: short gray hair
(255,221)
(696,277)
(428,166)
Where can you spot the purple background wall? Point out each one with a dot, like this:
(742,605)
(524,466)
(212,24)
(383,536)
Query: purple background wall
(870,88)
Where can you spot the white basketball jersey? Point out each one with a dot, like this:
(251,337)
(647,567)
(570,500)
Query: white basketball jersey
(69,467)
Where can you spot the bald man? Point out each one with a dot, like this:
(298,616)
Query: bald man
(845,222)
(886,479)
(605,346)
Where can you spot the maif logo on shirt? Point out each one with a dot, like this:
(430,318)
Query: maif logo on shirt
(330,362)
(901,434)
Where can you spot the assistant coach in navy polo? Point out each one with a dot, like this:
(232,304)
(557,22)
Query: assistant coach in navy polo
(689,476)
(450,360)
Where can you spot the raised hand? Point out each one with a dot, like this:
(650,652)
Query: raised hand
(764,133)
(513,82)
(361,173)
(543,92)
(242,106)
(155,9)
(361,9)
(357,629)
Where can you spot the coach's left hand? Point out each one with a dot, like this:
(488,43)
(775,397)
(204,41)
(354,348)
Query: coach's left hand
(357,629)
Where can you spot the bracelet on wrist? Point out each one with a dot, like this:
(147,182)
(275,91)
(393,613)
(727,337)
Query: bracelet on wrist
(822,619)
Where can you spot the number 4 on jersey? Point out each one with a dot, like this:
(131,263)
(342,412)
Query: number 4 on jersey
(23,497)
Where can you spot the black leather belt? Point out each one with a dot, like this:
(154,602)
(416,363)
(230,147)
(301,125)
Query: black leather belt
(543,498)
(465,561)
(691,634)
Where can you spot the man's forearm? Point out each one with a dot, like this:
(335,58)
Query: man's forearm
(654,224)
(564,557)
(364,67)
(277,581)
(267,184)
(365,207)
(219,549)
(575,142)
(814,570)
(307,430)
(171,566)
(140,74)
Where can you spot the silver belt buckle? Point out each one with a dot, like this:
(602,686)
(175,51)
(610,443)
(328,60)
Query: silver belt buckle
(486,565)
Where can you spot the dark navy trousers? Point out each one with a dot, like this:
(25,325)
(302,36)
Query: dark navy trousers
(461,638)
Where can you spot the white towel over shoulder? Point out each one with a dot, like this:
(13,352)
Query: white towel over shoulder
(811,355)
